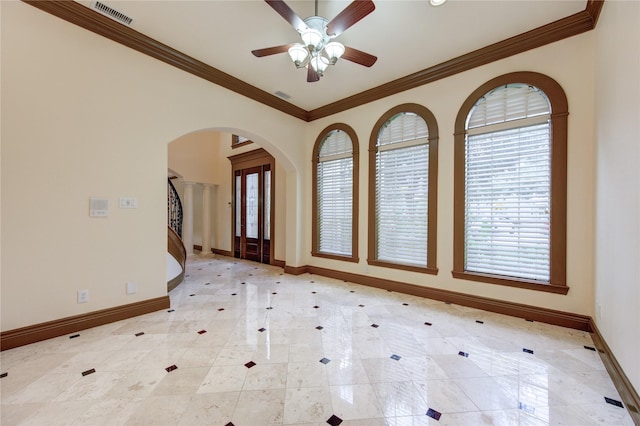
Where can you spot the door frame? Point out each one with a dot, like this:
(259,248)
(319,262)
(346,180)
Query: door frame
(255,158)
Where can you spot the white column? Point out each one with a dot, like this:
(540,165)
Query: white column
(187,217)
(206,219)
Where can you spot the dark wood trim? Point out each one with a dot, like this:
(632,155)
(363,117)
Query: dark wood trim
(494,279)
(549,316)
(295,270)
(558,219)
(593,8)
(278,263)
(538,37)
(93,21)
(86,18)
(47,330)
(222,252)
(176,248)
(355,155)
(627,392)
(432,178)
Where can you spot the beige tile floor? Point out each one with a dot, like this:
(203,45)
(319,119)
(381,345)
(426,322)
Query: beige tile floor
(253,346)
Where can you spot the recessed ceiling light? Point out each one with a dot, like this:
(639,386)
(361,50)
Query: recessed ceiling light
(437,2)
(282,95)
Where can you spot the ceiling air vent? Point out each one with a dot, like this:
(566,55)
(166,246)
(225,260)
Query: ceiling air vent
(282,95)
(111,13)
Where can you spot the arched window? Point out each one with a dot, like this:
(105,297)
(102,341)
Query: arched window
(403,173)
(510,184)
(335,194)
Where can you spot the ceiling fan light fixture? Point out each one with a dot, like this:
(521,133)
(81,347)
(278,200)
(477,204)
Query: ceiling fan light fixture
(319,64)
(298,54)
(312,38)
(334,51)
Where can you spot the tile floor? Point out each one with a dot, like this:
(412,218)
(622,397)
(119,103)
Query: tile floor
(245,345)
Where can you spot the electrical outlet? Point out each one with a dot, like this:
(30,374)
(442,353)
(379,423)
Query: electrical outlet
(132,288)
(83,296)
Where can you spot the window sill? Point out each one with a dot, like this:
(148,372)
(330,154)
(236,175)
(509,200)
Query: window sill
(404,267)
(494,279)
(334,256)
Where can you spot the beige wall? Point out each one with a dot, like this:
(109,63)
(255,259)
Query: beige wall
(617,129)
(570,63)
(68,135)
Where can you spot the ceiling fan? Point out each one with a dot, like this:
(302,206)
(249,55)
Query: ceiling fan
(318,50)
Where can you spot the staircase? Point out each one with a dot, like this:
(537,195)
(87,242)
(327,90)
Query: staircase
(176,252)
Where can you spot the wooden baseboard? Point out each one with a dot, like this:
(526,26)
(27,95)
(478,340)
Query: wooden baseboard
(47,330)
(176,281)
(279,263)
(296,270)
(222,252)
(534,313)
(627,392)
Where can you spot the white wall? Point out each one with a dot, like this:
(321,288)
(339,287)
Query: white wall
(68,134)
(617,118)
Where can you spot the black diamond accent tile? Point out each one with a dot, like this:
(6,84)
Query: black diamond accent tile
(434,414)
(375,325)
(3,375)
(250,364)
(221,309)
(234,294)
(325,360)
(529,320)
(396,357)
(334,420)
(86,373)
(140,334)
(313,292)
(202,331)
(191,295)
(250,275)
(229,424)
(270,307)
(529,351)
(480,322)
(405,304)
(319,327)
(277,282)
(171,368)
(312,282)
(591,348)
(614,402)
(352,291)
(362,306)
(316,307)
(74,336)
(262,329)
(171,310)
(464,354)
(208,283)
(243,283)
(274,293)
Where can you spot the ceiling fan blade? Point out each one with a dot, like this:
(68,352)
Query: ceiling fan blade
(351,14)
(271,50)
(312,75)
(288,14)
(358,56)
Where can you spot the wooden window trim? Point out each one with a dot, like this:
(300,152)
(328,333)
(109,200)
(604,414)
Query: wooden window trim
(315,239)
(432,215)
(235,144)
(558,222)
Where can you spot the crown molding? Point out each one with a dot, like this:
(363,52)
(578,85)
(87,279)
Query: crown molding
(93,21)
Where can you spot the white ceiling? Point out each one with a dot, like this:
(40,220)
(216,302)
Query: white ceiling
(406,35)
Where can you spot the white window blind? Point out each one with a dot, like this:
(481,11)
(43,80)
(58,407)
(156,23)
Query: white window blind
(508,184)
(402,188)
(335,194)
